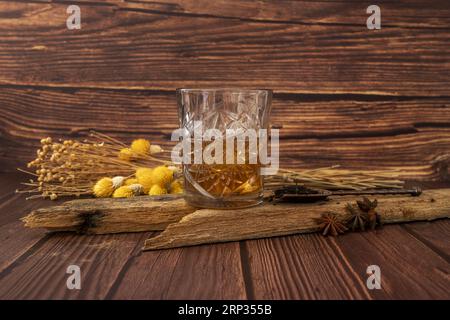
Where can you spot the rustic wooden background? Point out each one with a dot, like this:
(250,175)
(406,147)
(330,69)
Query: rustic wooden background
(343,94)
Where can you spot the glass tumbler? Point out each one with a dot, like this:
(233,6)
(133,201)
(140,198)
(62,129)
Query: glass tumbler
(215,120)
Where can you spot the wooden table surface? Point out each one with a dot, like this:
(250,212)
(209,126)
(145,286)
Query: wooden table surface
(414,260)
(343,94)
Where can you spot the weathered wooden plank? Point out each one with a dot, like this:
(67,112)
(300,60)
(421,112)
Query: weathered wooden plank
(301,267)
(102,216)
(108,215)
(409,268)
(42,274)
(120,47)
(435,235)
(203,272)
(209,226)
(349,130)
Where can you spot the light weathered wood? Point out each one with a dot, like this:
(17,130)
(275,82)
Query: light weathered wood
(101,216)
(209,226)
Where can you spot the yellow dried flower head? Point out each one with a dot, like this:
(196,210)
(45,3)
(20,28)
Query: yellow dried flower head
(126,154)
(145,178)
(141,146)
(130,181)
(123,192)
(157,190)
(103,188)
(162,175)
(176,187)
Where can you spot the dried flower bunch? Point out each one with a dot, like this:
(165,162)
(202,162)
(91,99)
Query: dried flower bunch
(99,165)
(152,181)
(362,215)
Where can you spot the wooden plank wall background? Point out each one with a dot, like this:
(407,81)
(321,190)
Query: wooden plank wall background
(343,94)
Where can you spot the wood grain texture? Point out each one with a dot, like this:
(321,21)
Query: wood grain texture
(103,216)
(315,130)
(203,272)
(404,274)
(311,267)
(395,14)
(123,46)
(434,235)
(301,267)
(42,275)
(269,220)
(15,241)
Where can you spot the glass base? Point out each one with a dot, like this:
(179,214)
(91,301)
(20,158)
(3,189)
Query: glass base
(223,203)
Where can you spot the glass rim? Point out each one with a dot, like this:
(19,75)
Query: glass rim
(223,90)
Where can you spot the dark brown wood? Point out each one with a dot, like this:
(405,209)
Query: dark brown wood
(401,258)
(434,235)
(343,95)
(203,272)
(395,14)
(301,267)
(15,241)
(42,275)
(310,267)
(131,47)
(412,134)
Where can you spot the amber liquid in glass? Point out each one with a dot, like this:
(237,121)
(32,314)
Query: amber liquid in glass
(232,183)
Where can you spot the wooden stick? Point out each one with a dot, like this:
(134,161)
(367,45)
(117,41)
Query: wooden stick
(268,220)
(100,216)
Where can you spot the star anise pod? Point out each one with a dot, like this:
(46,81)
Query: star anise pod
(330,224)
(374,219)
(365,204)
(358,218)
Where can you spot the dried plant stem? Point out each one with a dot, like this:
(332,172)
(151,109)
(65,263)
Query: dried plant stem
(334,178)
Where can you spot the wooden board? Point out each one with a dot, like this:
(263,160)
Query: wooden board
(215,272)
(298,266)
(281,267)
(100,260)
(108,215)
(395,252)
(268,220)
(183,225)
(343,94)
(177,48)
(412,133)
